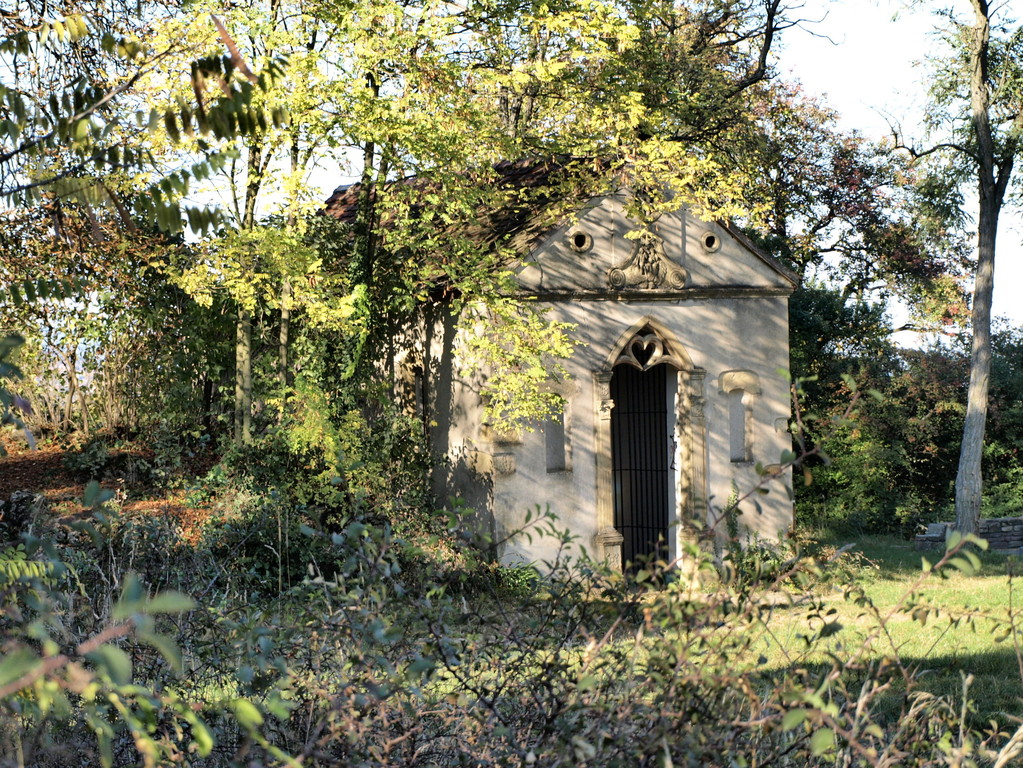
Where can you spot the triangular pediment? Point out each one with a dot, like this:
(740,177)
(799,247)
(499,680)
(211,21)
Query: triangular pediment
(593,254)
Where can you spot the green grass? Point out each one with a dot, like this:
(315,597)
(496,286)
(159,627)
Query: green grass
(945,626)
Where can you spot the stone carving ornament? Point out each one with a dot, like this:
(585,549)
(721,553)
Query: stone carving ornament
(645,350)
(648,267)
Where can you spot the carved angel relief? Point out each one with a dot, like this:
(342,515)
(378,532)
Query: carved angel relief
(648,267)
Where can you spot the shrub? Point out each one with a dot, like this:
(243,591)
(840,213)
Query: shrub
(90,460)
(367,664)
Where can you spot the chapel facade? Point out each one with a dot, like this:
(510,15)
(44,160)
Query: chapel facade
(676,405)
(677,401)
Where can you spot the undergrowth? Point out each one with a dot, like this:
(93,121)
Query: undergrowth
(384,652)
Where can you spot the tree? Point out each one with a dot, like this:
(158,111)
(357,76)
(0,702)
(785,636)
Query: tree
(845,217)
(846,214)
(978,99)
(75,136)
(259,261)
(72,126)
(443,94)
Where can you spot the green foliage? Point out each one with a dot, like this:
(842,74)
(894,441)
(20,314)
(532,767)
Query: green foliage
(165,467)
(247,266)
(13,406)
(130,352)
(263,544)
(386,652)
(849,215)
(892,467)
(747,562)
(70,144)
(90,460)
(519,355)
(59,689)
(15,566)
(279,464)
(20,292)
(831,337)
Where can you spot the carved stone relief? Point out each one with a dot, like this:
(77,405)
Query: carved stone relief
(609,543)
(747,381)
(504,463)
(602,380)
(648,267)
(645,350)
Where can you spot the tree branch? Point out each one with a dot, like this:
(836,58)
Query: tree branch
(53,663)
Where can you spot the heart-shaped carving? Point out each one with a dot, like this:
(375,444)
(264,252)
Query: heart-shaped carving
(646,348)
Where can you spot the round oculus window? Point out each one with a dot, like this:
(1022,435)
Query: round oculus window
(710,241)
(579,241)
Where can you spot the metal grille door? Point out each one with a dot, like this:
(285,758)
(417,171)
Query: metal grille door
(640,459)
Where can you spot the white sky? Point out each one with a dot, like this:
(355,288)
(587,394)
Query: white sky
(870,68)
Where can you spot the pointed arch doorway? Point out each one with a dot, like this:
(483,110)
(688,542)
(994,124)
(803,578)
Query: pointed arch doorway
(651,470)
(643,460)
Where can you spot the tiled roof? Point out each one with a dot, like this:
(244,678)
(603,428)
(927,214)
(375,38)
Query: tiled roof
(536,191)
(539,193)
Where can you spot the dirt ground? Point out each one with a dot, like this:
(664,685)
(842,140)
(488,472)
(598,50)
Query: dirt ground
(42,471)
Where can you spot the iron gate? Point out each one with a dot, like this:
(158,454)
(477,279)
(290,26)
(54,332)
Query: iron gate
(641,460)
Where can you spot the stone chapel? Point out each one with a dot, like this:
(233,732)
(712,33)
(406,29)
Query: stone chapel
(678,392)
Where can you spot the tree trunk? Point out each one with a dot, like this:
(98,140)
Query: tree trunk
(83,405)
(67,418)
(969,482)
(243,379)
(993,175)
(282,339)
(365,239)
(208,391)
(243,329)
(71,364)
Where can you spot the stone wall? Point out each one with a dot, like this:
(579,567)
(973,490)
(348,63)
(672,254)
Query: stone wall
(1003,535)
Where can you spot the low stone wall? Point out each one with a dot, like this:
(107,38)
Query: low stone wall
(1003,535)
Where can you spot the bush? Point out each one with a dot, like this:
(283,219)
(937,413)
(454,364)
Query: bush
(399,655)
(90,460)
(893,467)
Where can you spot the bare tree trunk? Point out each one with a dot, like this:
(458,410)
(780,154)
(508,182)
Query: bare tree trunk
(66,420)
(243,379)
(993,175)
(83,405)
(70,364)
(364,217)
(243,329)
(283,339)
(285,331)
(969,481)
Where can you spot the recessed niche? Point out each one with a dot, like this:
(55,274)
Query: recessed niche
(710,242)
(579,241)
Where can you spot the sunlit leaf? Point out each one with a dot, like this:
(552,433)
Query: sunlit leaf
(822,741)
(113,662)
(247,715)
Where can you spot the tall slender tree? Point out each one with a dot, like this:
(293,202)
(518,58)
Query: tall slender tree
(977,100)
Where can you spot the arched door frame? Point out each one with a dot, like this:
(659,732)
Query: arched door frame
(658,346)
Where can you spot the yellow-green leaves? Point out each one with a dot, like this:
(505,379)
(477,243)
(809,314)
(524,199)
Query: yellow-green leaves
(16,664)
(247,715)
(112,663)
(247,265)
(519,354)
(822,741)
(135,602)
(69,29)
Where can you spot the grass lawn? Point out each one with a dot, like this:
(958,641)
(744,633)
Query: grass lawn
(966,615)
